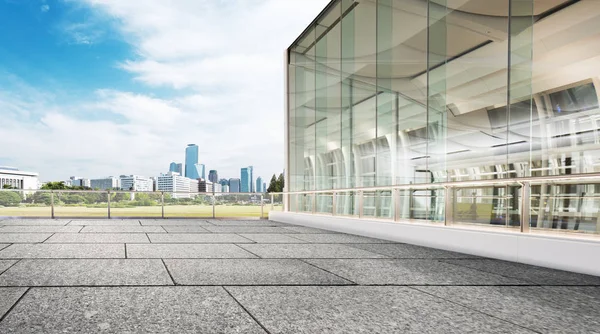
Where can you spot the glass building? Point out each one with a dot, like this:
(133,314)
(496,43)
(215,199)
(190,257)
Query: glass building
(247,179)
(472,111)
(259,185)
(234,185)
(213,176)
(177,168)
(191,161)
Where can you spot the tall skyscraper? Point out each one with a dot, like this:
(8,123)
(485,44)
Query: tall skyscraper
(247,180)
(259,185)
(224,182)
(177,168)
(234,185)
(213,176)
(191,162)
(202,171)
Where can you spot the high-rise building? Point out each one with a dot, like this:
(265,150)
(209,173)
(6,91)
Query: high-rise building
(213,176)
(172,182)
(191,162)
(136,183)
(224,182)
(234,185)
(107,183)
(247,181)
(177,168)
(225,188)
(259,185)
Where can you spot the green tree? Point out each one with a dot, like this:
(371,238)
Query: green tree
(59,185)
(9,198)
(272,185)
(280,183)
(7,186)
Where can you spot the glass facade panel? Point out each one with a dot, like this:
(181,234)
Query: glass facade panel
(389,93)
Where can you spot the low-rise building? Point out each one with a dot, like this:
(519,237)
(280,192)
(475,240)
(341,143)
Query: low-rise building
(136,183)
(107,183)
(178,186)
(18,179)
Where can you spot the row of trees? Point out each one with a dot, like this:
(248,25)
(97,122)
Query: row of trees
(276,185)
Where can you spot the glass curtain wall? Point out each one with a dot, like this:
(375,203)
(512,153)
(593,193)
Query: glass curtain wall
(399,92)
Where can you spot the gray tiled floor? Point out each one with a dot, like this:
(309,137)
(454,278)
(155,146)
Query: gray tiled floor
(257,276)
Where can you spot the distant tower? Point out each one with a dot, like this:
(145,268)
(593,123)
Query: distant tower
(247,180)
(191,162)
(213,176)
(177,168)
(234,185)
(259,185)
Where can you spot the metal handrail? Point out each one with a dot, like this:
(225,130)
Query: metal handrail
(213,195)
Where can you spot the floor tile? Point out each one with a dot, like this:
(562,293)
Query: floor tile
(98,238)
(184,229)
(246,229)
(273,238)
(299,251)
(406,251)
(409,272)
(174,222)
(5,264)
(40,229)
(187,251)
(218,222)
(75,251)
(8,297)
(2,246)
(35,222)
(105,222)
(123,229)
(14,238)
(306,230)
(249,272)
(129,310)
(538,275)
(352,309)
(197,238)
(328,238)
(77,272)
(542,309)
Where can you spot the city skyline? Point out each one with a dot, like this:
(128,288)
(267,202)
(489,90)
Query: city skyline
(95,90)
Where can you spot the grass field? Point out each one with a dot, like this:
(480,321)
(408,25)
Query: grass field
(142,211)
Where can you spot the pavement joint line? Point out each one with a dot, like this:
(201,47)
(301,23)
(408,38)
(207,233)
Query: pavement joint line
(14,305)
(260,257)
(48,238)
(81,229)
(474,309)
(125,244)
(485,271)
(147,237)
(168,272)
(239,235)
(291,235)
(325,270)
(164,229)
(12,265)
(281,284)
(246,310)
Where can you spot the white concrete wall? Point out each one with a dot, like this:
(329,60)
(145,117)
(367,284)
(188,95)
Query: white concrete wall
(571,253)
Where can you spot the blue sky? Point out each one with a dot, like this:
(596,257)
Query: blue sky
(107,87)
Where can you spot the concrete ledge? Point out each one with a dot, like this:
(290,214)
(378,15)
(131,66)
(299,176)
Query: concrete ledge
(562,252)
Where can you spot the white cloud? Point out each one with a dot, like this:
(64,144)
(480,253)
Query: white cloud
(44,8)
(225,61)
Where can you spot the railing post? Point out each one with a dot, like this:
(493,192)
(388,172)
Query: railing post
(272,202)
(262,206)
(396,204)
(334,204)
(448,206)
(525,204)
(314,203)
(213,206)
(361,202)
(108,202)
(162,204)
(52,204)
